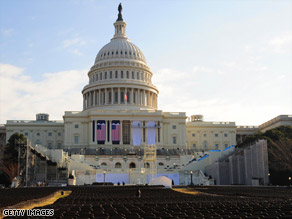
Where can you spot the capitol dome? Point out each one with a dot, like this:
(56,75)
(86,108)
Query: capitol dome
(120,77)
(120,48)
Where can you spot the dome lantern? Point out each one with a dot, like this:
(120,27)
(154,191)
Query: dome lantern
(120,25)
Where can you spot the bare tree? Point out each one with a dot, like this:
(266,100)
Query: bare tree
(11,169)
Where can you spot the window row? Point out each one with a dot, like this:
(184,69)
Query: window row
(205,135)
(115,53)
(118,165)
(120,75)
(39,134)
(206,146)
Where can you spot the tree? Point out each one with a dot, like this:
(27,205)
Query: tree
(11,150)
(9,162)
(10,169)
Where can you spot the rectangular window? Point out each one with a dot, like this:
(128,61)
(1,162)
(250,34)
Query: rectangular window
(50,133)
(193,134)
(122,97)
(134,97)
(128,97)
(142,76)
(205,135)
(216,134)
(116,74)
(174,127)
(76,139)
(133,75)
(49,145)
(116,97)
(100,76)
(194,146)
(105,75)
(26,134)
(226,145)
(138,77)
(59,145)
(110,97)
(111,74)
(76,126)
(96,76)
(122,74)
(217,146)
(127,74)
(126,131)
(59,133)
(38,134)
(225,135)
(174,140)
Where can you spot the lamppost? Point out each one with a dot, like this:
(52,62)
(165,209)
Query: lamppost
(104,172)
(191,178)
(289,180)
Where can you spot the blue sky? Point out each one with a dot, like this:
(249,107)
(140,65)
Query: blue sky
(228,60)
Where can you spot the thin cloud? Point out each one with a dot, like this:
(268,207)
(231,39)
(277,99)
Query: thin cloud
(77,52)
(7,32)
(281,43)
(22,97)
(73,42)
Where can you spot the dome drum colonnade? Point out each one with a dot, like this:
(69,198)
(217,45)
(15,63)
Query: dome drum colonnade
(120,76)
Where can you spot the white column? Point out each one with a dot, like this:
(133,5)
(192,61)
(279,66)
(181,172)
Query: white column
(112,96)
(99,97)
(132,96)
(90,132)
(83,101)
(144,102)
(106,96)
(90,98)
(161,133)
(148,99)
(87,98)
(138,97)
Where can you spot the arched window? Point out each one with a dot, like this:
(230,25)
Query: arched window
(132,165)
(161,164)
(118,165)
(103,165)
(146,165)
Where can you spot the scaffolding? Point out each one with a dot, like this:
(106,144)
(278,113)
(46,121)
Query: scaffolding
(150,157)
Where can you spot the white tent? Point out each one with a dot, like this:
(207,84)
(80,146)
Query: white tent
(162,180)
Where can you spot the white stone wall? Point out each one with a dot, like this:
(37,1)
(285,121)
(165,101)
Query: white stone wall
(206,135)
(49,134)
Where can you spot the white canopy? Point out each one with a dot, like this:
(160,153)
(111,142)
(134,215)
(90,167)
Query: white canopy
(162,180)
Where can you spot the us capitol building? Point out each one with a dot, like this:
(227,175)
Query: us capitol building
(120,135)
